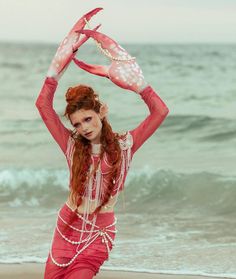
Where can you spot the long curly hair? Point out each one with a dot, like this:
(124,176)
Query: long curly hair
(84,97)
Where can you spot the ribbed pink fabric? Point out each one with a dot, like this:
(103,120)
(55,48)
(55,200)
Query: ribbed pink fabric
(90,259)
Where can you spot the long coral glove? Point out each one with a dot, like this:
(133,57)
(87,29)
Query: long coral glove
(69,46)
(123,70)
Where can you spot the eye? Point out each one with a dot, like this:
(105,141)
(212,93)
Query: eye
(88,119)
(77,125)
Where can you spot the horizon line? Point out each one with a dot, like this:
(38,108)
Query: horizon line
(135,42)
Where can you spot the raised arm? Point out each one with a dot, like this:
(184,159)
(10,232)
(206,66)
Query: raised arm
(126,73)
(44,104)
(64,55)
(158,111)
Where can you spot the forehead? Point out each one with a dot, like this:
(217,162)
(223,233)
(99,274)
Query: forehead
(80,114)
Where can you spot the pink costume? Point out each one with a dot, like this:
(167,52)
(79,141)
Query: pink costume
(82,249)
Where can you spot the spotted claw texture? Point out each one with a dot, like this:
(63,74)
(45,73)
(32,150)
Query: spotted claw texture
(98,70)
(123,71)
(69,46)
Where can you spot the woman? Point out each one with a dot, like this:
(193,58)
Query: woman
(97,157)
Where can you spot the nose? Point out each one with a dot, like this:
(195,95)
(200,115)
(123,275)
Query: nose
(85,128)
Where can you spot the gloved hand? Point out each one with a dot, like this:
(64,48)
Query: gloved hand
(69,46)
(123,71)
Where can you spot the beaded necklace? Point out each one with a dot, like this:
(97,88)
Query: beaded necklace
(89,226)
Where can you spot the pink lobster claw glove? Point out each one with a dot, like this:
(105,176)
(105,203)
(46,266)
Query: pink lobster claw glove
(69,46)
(123,70)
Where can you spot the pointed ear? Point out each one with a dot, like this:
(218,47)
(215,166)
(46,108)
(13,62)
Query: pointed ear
(103,110)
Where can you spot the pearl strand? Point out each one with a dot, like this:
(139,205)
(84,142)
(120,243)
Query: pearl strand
(75,256)
(105,238)
(87,221)
(106,52)
(78,230)
(71,241)
(111,57)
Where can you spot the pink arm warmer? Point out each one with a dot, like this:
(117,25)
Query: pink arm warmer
(158,112)
(44,103)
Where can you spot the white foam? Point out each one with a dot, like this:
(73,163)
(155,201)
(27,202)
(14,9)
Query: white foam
(16,178)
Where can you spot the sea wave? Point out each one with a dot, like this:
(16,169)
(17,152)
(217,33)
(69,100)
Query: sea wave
(202,127)
(146,191)
(13,65)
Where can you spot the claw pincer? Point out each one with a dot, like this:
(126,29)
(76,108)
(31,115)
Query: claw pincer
(123,70)
(68,47)
(108,46)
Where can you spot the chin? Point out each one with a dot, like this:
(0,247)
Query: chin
(93,138)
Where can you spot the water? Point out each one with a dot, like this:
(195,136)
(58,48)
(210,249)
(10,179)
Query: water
(177,214)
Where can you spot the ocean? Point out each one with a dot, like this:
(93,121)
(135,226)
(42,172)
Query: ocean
(177,213)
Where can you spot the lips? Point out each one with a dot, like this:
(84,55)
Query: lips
(88,134)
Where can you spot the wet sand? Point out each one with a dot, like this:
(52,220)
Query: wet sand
(35,271)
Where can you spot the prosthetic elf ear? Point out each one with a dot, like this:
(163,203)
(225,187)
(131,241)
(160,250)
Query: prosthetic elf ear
(103,110)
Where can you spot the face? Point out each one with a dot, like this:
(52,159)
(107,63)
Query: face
(88,124)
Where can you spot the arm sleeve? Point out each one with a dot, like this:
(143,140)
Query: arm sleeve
(158,112)
(44,104)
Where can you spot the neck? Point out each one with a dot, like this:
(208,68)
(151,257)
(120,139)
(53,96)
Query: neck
(96,140)
(96,148)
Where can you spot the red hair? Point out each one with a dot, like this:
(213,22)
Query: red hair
(84,97)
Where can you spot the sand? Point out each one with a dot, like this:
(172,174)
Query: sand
(35,271)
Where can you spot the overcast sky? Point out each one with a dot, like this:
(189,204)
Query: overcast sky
(139,21)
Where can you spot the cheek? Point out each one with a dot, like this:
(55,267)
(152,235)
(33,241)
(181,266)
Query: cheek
(97,124)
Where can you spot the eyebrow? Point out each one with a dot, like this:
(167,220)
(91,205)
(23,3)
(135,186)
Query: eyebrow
(82,120)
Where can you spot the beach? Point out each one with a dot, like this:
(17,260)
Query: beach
(28,271)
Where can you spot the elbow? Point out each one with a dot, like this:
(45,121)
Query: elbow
(38,103)
(164,112)
(165,109)
(160,113)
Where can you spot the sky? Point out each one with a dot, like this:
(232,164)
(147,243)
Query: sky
(128,21)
